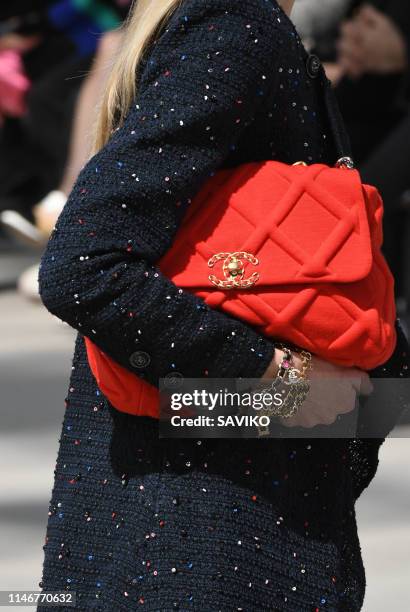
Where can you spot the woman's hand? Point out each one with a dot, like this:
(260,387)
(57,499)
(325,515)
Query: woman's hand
(19,42)
(371,42)
(333,391)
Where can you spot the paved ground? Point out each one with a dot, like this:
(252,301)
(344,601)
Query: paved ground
(35,355)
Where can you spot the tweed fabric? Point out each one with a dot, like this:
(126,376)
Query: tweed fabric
(141,523)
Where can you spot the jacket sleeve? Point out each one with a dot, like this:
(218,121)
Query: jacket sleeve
(203,81)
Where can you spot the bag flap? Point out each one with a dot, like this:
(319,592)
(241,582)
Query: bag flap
(303,224)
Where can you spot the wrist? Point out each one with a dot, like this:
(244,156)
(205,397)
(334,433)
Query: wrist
(274,366)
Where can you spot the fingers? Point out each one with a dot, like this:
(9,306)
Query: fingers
(327,399)
(360,381)
(366,387)
(304,418)
(324,411)
(308,420)
(344,398)
(351,30)
(19,42)
(350,49)
(369,15)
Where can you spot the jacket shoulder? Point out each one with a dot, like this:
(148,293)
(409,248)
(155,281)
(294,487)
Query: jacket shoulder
(242,28)
(266,12)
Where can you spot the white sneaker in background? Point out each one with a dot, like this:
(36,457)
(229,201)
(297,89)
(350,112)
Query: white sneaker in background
(45,215)
(21,228)
(48,210)
(27,284)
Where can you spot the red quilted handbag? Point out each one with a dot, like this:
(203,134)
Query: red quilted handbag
(294,251)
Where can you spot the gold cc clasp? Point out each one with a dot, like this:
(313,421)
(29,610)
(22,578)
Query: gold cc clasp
(233,268)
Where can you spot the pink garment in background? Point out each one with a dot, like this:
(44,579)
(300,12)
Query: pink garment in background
(14,84)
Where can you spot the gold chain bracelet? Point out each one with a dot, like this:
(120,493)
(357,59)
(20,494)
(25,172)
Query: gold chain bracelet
(296,385)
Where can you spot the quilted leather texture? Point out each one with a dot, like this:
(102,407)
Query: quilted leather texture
(323,282)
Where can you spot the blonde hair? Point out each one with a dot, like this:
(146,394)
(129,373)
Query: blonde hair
(144,21)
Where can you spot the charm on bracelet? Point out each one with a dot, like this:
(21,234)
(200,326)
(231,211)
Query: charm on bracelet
(295,388)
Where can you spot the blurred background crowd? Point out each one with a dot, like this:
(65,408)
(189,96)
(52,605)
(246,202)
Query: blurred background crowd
(54,57)
(53,62)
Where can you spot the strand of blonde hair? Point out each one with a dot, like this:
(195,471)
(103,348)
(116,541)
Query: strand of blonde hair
(145,19)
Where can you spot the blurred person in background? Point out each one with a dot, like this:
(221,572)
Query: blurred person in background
(374,93)
(34,134)
(366,50)
(372,84)
(46,211)
(365,47)
(48,132)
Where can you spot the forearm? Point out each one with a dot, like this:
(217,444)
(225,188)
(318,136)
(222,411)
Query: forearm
(126,306)
(104,291)
(125,209)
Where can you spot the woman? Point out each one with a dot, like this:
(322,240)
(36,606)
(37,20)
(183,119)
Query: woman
(191,524)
